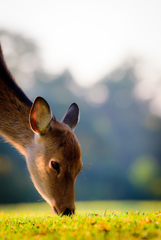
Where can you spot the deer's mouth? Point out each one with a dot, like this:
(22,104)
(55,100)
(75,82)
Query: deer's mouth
(55,210)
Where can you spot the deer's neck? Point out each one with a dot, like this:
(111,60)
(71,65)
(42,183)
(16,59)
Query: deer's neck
(14,113)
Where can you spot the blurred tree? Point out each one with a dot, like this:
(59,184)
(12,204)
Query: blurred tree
(119,136)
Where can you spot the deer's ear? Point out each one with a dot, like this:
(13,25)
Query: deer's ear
(40,115)
(72,116)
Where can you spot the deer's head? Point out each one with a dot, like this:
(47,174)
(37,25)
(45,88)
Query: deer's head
(54,157)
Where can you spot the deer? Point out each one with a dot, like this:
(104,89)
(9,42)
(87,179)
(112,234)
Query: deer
(50,147)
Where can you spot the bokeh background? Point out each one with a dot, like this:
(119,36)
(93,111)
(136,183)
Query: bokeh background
(105,56)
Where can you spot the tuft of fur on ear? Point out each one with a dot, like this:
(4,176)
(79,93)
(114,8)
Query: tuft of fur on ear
(1,53)
(40,115)
(3,67)
(2,61)
(71,117)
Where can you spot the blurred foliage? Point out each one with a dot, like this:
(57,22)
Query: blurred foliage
(119,137)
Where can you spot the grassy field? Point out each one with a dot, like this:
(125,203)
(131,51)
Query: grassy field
(93,220)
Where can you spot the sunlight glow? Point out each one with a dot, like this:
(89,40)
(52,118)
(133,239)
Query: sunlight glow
(98,94)
(88,37)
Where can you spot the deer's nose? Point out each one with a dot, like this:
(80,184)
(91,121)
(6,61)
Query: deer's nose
(68,212)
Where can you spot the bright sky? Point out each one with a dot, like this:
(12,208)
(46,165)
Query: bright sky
(88,37)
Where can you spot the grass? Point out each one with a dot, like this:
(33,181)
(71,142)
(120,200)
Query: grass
(93,220)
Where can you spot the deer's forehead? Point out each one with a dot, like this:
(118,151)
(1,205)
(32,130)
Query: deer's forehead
(63,143)
(69,149)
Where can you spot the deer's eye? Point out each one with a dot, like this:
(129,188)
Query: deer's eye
(56,166)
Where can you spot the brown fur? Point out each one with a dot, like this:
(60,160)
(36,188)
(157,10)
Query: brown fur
(41,138)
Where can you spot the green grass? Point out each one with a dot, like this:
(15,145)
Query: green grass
(93,220)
